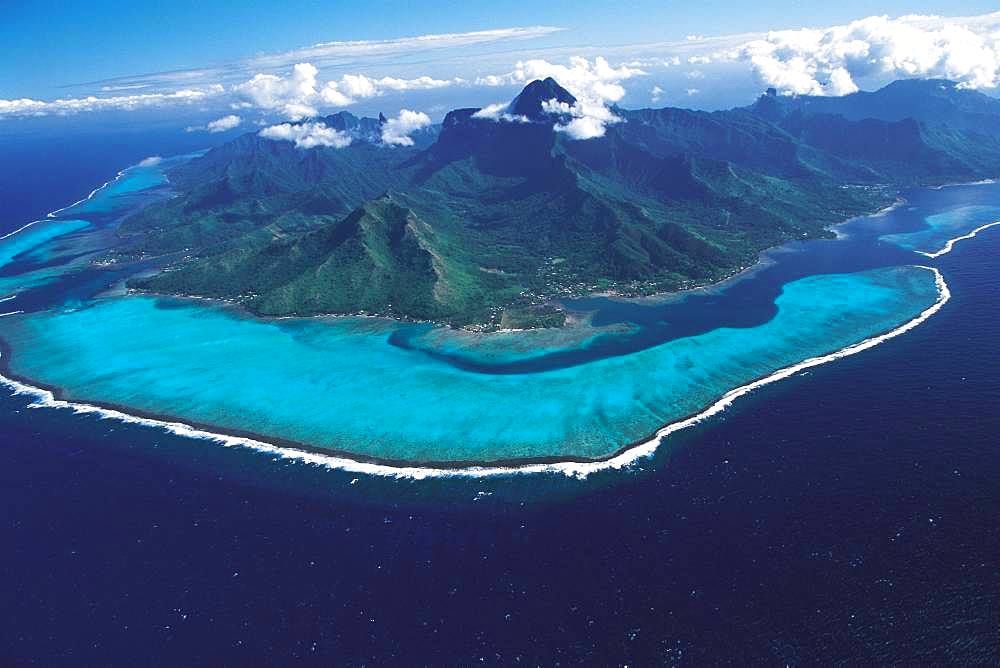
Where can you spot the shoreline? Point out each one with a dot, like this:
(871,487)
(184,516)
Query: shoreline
(579,318)
(764,260)
(49,397)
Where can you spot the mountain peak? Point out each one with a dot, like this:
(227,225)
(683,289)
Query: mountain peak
(919,85)
(358,128)
(529,102)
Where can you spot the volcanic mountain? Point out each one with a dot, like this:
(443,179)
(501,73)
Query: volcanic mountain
(489,218)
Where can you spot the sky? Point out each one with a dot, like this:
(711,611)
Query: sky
(218,67)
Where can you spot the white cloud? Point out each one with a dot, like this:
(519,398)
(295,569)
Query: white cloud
(292,96)
(584,127)
(307,135)
(656,94)
(587,121)
(66,106)
(827,61)
(299,95)
(223,124)
(582,78)
(594,84)
(397,131)
(841,82)
(554,106)
(360,48)
(692,91)
(114,89)
(353,87)
(499,112)
(357,55)
(492,112)
(150,161)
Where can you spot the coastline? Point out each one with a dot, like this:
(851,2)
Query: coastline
(49,397)
(764,260)
(577,318)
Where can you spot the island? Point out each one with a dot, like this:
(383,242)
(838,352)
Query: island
(497,295)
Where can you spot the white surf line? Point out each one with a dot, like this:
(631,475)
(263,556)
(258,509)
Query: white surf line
(53,214)
(7,299)
(982,182)
(45,399)
(4,315)
(951,242)
(20,229)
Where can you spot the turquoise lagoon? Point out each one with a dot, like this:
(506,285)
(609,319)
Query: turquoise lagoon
(36,242)
(336,383)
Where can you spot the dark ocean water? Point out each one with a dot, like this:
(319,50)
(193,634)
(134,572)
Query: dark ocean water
(846,515)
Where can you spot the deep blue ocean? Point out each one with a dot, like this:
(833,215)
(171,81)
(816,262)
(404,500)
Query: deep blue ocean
(847,515)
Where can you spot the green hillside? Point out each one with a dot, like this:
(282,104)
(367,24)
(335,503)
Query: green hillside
(485,222)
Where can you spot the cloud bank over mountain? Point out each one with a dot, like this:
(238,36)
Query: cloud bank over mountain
(307,135)
(828,61)
(595,84)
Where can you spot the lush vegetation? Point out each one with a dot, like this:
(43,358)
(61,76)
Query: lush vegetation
(485,222)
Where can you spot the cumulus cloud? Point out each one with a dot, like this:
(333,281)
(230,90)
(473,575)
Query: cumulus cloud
(299,95)
(397,131)
(594,84)
(656,94)
(223,124)
(307,135)
(150,161)
(293,95)
(67,106)
(828,61)
(584,120)
(353,87)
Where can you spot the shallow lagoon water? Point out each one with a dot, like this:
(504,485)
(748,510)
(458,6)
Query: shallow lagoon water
(364,387)
(33,245)
(340,385)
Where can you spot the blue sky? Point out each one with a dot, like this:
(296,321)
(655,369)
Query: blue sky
(50,45)
(107,49)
